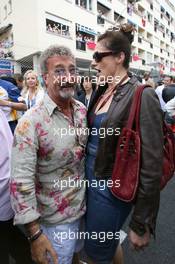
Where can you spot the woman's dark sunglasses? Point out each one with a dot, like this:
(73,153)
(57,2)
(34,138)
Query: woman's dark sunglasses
(98,56)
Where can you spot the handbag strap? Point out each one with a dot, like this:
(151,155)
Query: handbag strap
(134,115)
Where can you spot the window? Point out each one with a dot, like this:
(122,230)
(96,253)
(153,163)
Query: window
(172,37)
(149,57)
(149,17)
(90,4)
(57,25)
(9,7)
(86,4)
(139,40)
(85,38)
(5,12)
(100,18)
(156,25)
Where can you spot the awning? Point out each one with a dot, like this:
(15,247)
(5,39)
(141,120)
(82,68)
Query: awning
(5,29)
(85,29)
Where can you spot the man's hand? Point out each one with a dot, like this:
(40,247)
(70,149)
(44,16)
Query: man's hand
(41,248)
(139,242)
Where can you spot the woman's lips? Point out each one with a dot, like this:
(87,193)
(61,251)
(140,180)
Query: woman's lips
(97,72)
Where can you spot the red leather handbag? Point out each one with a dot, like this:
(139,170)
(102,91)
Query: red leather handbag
(128,154)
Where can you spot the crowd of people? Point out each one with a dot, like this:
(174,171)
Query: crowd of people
(56,166)
(58,29)
(84,38)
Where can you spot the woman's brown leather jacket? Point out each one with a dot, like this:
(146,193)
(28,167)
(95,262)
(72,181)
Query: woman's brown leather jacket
(146,203)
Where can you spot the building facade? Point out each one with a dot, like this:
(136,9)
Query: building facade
(28,27)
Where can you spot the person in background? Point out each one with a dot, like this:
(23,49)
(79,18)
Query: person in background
(88,91)
(148,80)
(10,102)
(166,81)
(32,92)
(168,95)
(9,79)
(19,80)
(12,241)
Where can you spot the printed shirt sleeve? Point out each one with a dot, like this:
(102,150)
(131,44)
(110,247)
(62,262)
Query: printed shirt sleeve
(24,159)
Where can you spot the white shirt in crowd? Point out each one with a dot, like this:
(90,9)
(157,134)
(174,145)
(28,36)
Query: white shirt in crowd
(36,100)
(5,109)
(158,91)
(170,107)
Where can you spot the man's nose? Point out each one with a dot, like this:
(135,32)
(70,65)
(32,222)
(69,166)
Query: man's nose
(66,76)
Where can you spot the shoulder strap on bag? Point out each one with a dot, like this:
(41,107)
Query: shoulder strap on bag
(135,108)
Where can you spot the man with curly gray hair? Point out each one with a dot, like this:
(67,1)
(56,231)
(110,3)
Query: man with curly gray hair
(47,194)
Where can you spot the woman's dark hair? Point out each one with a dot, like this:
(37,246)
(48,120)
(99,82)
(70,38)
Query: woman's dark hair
(89,79)
(119,39)
(168,93)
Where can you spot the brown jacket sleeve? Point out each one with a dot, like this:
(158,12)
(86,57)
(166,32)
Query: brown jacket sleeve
(148,194)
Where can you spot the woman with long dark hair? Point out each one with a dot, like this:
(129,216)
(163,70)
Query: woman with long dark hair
(88,91)
(108,114)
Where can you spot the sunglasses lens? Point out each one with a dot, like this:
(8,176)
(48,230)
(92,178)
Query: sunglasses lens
(97,57)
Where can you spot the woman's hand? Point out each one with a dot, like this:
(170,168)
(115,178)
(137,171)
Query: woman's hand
(41,249)
(139,242)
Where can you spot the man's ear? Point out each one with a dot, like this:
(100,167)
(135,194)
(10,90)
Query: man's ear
(120,58)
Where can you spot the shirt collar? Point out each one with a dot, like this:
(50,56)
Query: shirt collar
(51,105)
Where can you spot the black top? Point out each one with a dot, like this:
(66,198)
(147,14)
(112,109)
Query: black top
(82,98)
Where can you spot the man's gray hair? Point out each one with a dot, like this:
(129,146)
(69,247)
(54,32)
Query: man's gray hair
(51,51)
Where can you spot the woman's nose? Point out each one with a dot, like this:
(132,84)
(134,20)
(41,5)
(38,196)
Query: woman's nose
(93,64)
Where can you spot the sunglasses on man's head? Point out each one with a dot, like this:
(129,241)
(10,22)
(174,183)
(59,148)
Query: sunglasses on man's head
(98,56)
